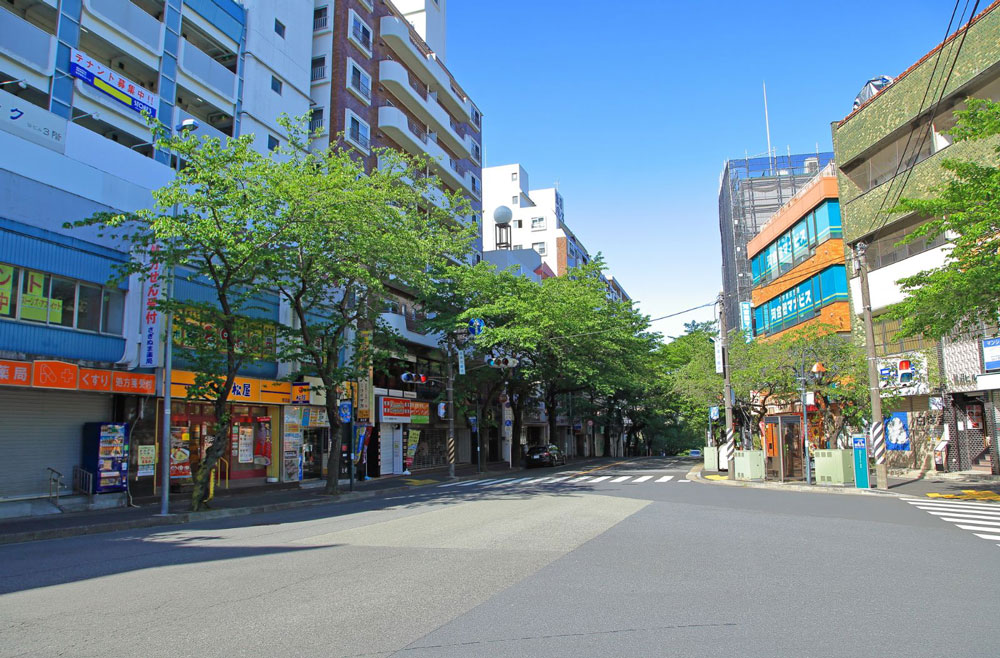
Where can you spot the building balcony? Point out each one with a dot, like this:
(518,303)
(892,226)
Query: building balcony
(115,20)
(413,139)
(202,73)
(395,77)
(205,129)
(89,100)
(397,321)
(422,61)
(29,51)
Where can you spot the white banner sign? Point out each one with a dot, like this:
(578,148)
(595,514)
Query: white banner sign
(30,122)
(102,77)
(152,317)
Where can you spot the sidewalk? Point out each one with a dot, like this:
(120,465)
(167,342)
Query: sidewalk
(227,504)
(954,487)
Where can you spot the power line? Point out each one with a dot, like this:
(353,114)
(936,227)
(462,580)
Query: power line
(662,317)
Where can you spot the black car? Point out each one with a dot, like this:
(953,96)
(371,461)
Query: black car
(549,455)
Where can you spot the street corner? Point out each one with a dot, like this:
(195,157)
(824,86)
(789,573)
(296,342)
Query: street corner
(418,482)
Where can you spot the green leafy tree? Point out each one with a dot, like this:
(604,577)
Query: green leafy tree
(352,234)
(214,226)
(964,293)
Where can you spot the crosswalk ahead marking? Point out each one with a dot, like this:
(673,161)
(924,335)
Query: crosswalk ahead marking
(643,478)
(622,478)
(666,478)
(982,519)
(564,479)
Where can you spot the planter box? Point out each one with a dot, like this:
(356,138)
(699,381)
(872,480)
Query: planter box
(749,464)
(711,458)
(835,467)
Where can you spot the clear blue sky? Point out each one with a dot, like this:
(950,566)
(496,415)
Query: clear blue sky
(633,113)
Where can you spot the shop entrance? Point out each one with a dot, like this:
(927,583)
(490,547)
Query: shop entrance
(314,444)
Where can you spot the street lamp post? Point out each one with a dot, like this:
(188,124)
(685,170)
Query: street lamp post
(184,126)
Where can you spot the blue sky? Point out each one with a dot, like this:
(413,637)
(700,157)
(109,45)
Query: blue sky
(634,112)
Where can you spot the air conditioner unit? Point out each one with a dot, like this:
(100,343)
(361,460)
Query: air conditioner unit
(217,117)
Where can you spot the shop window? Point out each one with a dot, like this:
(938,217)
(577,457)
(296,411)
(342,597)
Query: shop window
(62,302)
(35,297)
(113,312)
(88,310)
(8,291)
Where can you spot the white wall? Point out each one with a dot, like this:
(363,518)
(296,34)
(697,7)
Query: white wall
(429,19)
(882,283)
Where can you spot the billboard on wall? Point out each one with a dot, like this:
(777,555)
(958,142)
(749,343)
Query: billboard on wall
(103,78)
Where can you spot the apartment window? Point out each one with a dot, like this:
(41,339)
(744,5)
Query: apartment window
(272,143)
(279,28)
(320,18)
(477,118)
(276,85)
(886,249)
(513,176)
(360,34)
(367,4)
(41,298)
(514,199)
(518,246)
(539,247)
(359,82)
(518,223)
(316,120)
(318,68)
(477,152)
(358,132)
(537,223)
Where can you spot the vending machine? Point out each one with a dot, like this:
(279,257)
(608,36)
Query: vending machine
(105,455)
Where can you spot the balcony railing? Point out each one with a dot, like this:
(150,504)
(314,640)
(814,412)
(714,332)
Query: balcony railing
(133,20)
(318,73)
(363,90)
(358,138)
(198,63)
(23,40)
(320,22)
(417,130)
(360,37)
(316,125)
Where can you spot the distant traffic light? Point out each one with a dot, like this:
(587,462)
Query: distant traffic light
(414,378)
(501,362)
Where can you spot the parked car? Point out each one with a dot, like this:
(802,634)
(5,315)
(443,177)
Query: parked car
(549,455)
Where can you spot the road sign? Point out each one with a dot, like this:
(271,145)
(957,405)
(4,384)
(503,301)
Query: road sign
(860,461)
(461,362)
(713,413)
(476,326)
(719,364)
(508,423)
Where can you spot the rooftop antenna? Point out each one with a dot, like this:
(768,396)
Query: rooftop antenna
(767,124)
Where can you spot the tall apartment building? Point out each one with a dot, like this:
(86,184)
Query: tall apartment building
(75,77)
(892,147)
(750,191)
(379,80)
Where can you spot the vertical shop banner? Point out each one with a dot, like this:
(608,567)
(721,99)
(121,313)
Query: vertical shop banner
(152,319)
(245,442)
(746,320)
(365,401)
(180,454)
(262,442)
(103,78)
(361,437)
(413,440)
(897,431)
(292,452)
(7,292)
(146,461)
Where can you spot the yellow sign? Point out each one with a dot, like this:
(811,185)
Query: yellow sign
(245,389)
(7,291)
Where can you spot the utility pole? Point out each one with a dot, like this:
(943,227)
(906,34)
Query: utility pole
(807,466)
(451,410)
(877,431)
(727,391)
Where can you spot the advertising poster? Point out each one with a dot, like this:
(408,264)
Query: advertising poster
(420,412)
(245,443)
(897,431)
(146,460)
(262,442)
(361,437)
(180,455)
(106,79)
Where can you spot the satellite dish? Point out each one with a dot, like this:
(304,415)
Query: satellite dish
(502,215)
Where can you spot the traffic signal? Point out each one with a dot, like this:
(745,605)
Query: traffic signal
(414,378)
(501,362)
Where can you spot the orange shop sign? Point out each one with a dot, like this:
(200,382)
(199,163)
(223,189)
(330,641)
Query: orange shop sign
(394,410)
(55,374)
(15,373)
(95,380)
(131,382)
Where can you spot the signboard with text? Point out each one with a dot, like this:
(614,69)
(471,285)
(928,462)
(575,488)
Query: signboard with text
(30,122)
(102,77)
(991,354)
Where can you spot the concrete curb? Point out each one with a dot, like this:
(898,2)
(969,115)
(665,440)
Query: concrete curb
(695,476)
(224,513)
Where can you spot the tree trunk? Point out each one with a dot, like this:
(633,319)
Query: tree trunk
(214,452)
(517,411)
(336,440)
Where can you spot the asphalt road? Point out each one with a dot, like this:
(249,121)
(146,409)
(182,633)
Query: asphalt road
(631,561)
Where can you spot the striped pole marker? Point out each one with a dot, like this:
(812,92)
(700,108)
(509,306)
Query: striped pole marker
(730,445)
(878,442)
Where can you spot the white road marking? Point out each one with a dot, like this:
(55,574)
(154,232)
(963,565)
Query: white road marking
(954,504)
(475,482)
(964,516)
(990,537)
(666,478)
(583,479)
(601,479)
(679,481)
(643,478)
(978,528)
(622,478)
(554,480)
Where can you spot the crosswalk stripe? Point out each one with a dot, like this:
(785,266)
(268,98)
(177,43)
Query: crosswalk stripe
(583,479)
(450,484)
(956,519)
(643,478)
(991,517)
(990,537)
(622,478)
(475,482)
(600,479)
(679,481)
(977,528)
(954,504)
(554,480)
(540,480)
(666,478)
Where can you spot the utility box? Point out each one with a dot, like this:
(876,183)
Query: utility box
(834,467)
(749,464)
(711,458)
